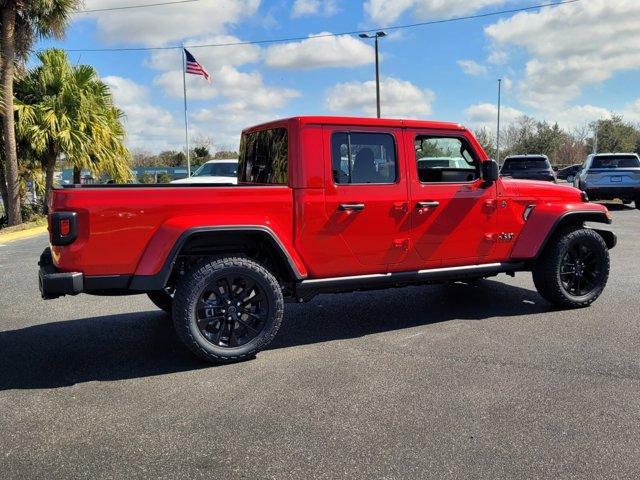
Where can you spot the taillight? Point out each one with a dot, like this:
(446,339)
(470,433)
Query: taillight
(64,229)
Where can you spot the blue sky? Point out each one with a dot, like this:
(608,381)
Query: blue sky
(571,64)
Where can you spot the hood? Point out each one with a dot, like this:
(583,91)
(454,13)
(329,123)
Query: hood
(544,191)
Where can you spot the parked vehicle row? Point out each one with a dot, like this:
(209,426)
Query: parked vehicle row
(323,204)
(609,176)
(530,167)
(214,171)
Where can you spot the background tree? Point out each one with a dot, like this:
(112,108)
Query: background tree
(21,22)
(615,135)
(225,155)
(66,111)
(487,141)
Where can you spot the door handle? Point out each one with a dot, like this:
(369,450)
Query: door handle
(431,204)
(351,207)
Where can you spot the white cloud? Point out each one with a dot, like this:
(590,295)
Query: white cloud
(230,83)
(211,58)
(385,11)
(498,57)
(147,126)
(575,116)
(398,98)
(486,115)
(313,7)
(471,67)
(321,52)
(571,46)
(162,24)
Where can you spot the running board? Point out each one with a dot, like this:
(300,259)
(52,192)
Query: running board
(308,288)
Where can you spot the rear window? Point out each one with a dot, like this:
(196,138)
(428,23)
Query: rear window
(617,161)
(264,157)
(359,158)
(526,164)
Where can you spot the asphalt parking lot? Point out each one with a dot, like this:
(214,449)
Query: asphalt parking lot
(449,381)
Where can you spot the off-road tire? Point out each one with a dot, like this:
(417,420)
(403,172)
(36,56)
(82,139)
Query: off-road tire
(197,280)
(638,203)
(546,272)
(162,300)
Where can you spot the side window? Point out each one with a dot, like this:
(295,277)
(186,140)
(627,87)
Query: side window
(263,157)
(445,159)
(363,158)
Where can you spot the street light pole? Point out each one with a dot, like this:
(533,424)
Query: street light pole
(376,37)
(498,135)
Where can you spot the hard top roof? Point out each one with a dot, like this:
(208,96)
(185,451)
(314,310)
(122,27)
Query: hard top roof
(359,121)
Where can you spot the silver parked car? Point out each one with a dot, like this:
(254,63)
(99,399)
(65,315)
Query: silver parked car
(607,176)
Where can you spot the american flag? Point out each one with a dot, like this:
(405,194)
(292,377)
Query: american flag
(194,67)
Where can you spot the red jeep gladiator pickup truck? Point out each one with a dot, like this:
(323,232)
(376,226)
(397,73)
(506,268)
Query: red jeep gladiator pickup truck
(322,204)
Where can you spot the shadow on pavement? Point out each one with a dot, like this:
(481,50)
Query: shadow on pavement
(329,317)
(143,344)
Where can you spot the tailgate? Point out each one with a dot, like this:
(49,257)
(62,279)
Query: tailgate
(613,177)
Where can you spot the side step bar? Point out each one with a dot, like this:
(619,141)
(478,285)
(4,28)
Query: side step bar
(306,289)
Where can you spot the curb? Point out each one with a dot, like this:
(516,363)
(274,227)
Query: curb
(22,234)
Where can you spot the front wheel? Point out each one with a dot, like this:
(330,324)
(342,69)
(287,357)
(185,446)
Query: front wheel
(228,309)
(638,203)
(573,270)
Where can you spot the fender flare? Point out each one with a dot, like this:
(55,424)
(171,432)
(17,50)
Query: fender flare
(159,280)
(530,248)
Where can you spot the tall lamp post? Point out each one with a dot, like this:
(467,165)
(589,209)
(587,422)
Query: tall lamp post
(376,37)
(498,133)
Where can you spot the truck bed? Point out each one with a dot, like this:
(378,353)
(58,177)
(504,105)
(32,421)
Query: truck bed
(131,216)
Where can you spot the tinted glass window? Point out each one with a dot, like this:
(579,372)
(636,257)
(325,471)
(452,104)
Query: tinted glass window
(264,157)
(618,161)
(445,159)
(217,170)
(523,163)
(363,158)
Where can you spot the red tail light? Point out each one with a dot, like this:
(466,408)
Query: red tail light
(64,229)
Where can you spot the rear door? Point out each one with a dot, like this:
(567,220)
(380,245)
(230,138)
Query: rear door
(453,213)
(366,199)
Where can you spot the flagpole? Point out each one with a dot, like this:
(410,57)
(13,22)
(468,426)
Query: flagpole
(186,117)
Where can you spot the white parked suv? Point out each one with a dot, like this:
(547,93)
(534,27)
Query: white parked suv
(214,171)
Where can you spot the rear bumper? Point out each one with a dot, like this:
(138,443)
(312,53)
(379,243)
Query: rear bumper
(53,283)
(609,193)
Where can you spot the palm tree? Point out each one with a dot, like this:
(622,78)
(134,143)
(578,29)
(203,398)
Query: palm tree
(65,111)
(21,22)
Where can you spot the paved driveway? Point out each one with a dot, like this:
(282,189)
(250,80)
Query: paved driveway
(453,381)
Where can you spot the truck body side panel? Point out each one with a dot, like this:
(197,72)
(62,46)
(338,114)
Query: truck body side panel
(116,226)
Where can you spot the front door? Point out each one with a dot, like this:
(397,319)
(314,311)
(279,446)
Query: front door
(453,212)
(366,199)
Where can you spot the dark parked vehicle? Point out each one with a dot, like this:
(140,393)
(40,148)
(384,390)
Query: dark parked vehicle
(529,167)
(569,173)
(607,176)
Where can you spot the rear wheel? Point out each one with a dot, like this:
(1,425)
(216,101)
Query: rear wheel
(638,203)
(573,270)
(228,309)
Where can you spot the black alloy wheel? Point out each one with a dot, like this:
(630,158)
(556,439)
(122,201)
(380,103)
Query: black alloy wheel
(580,270)
(231,311)
(228,309)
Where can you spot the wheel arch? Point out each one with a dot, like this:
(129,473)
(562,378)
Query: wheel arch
(540,228)
(220,240)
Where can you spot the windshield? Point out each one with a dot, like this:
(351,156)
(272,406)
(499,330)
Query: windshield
(617,161)
(526,164)
(217,169)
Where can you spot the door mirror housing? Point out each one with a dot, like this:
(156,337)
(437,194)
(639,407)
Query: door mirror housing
(490,171)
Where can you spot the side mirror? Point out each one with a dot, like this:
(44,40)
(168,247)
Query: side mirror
(490,171)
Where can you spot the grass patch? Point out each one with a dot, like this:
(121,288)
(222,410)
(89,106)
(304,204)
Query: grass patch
(38,222)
